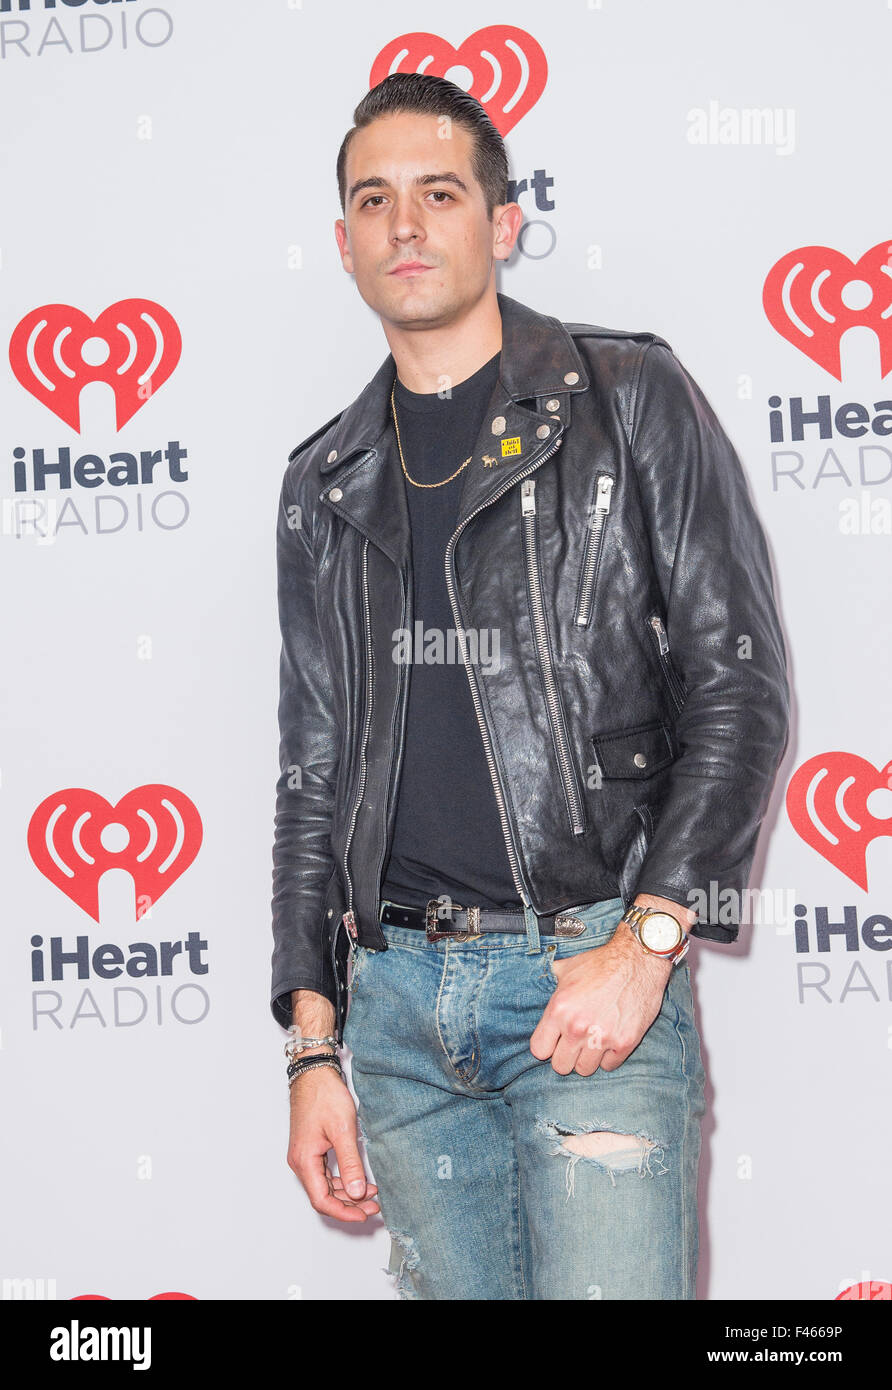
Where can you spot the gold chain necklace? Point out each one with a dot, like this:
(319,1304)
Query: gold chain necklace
(400,447)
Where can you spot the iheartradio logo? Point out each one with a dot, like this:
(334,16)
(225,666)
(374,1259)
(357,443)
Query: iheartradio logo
(814,294)
(133,346)
(503,67)
(75,836)
(827,802)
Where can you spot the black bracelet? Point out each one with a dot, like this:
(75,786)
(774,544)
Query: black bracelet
(328,1058)
(296,1069)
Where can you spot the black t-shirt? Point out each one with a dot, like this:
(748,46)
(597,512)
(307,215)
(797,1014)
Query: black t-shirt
(448,836)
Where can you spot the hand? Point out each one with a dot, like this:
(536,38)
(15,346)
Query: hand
(605,1001)
(323,1116)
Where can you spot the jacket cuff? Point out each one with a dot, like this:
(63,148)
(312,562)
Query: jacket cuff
(280,1002)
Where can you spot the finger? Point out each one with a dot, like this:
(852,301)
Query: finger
(613,1059)
(592,1051)
(338,1187)
(316,1181)
(370,1207)
(588,1061)
(565,1055)
(545,1035)
(368,1202)
(350,1169)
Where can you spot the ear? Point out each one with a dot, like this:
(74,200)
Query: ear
(506,220)
(340,231)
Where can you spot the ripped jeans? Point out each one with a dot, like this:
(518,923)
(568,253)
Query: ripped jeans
(498,1178)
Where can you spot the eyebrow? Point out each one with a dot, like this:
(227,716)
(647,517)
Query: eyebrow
(423,180)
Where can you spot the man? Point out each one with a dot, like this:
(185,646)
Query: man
(511,842)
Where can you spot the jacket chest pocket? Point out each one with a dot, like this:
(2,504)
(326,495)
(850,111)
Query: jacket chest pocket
(596,525)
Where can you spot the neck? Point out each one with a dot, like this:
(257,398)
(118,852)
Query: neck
(453,351)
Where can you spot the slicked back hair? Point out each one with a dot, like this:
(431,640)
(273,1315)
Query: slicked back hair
(426,95)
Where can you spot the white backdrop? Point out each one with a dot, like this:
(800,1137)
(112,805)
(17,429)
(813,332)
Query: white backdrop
(182,156)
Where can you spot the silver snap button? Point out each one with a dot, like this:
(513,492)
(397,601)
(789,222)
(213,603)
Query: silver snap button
(332,456)
(639,760)
(498,425)
(330,911)
(543,431)
(552,405)
(571,378)
(336,494)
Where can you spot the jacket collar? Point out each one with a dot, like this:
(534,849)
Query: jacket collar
(539,362)
(538,356)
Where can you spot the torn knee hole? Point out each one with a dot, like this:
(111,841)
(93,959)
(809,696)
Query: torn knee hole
(602,1142)
(608,1150)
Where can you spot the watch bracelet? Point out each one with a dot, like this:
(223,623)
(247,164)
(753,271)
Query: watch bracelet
(636,913)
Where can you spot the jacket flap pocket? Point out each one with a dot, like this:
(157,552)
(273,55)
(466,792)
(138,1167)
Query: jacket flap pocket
(637,752)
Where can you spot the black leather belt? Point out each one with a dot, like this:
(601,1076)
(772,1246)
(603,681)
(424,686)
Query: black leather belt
(443,921)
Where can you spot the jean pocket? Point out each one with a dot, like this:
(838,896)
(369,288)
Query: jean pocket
(566,950)
(600,919)
(551,953)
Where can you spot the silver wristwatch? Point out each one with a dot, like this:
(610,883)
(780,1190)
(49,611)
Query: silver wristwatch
(658,932)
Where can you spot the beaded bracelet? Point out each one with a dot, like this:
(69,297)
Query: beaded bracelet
(297,1074)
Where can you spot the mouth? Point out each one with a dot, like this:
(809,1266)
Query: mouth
(409,268)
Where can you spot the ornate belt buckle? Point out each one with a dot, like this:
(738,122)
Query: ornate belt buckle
(436,915)
(567,925)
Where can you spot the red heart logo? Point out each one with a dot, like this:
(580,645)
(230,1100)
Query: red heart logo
(803,298)
(503,67)
(827,806)
(133,346)
(159,830)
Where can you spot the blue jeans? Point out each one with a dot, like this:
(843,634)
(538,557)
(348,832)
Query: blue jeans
(479,1149)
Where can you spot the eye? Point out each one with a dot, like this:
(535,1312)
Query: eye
(368,201)
(441,193)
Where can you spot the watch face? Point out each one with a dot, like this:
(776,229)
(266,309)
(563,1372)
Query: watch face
(660,932)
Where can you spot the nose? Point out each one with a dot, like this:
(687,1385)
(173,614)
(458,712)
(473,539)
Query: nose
(405,225)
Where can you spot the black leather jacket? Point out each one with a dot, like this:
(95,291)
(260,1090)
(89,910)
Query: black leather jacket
(639,709)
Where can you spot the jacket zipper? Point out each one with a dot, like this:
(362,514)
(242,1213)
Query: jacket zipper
(472,678)
(675,688)
(592,554)
(396,709)
(349,917)
(546,663)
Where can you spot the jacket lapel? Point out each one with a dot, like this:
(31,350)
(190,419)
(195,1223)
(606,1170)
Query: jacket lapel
(539,363)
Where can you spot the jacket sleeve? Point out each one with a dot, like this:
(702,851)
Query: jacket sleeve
(714,574)
(303,864)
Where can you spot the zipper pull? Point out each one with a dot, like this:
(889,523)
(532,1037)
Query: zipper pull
(663,640)
(349,921)
(528,497)
(605,487)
